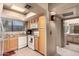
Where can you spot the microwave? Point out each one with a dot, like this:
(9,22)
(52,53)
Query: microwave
(29,32)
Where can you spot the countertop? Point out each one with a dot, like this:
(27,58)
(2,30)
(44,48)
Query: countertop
(71,34)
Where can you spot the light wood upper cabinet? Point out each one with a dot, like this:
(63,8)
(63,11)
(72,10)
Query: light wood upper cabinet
(42,22)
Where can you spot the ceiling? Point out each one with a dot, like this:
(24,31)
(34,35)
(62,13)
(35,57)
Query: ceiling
(61,6)
(35,8)
(21,5)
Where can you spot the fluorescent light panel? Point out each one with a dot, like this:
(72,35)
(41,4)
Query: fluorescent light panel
(30,14)
(16,8)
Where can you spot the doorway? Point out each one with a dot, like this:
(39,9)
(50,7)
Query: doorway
(71,34)
(65,45)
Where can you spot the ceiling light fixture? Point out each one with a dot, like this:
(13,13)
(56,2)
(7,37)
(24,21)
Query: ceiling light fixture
(30,14)
(16,8)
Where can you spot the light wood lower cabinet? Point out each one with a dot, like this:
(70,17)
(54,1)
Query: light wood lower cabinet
(10,44)
(42,41)
(6,45)
(13,43)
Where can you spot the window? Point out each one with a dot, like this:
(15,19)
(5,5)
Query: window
(13,25)
(7,24)
(18,26)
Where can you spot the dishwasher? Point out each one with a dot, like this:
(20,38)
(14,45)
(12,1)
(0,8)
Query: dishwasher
(22,42)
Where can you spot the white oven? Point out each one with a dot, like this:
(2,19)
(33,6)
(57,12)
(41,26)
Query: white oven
(31,42)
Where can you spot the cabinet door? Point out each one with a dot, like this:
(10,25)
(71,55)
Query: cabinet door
(42,25)
(13,43)
(42,22)
(42,41)
(36,44)
(6,45)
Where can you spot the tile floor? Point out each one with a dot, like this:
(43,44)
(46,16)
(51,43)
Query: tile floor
(69,50)
(66,51)
(26,52)
(74,47)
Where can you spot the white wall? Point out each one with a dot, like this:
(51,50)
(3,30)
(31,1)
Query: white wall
(60,32)
(1,8)
(43,5)
(51,38)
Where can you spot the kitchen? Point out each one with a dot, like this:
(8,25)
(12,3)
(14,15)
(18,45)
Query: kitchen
(19,34)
